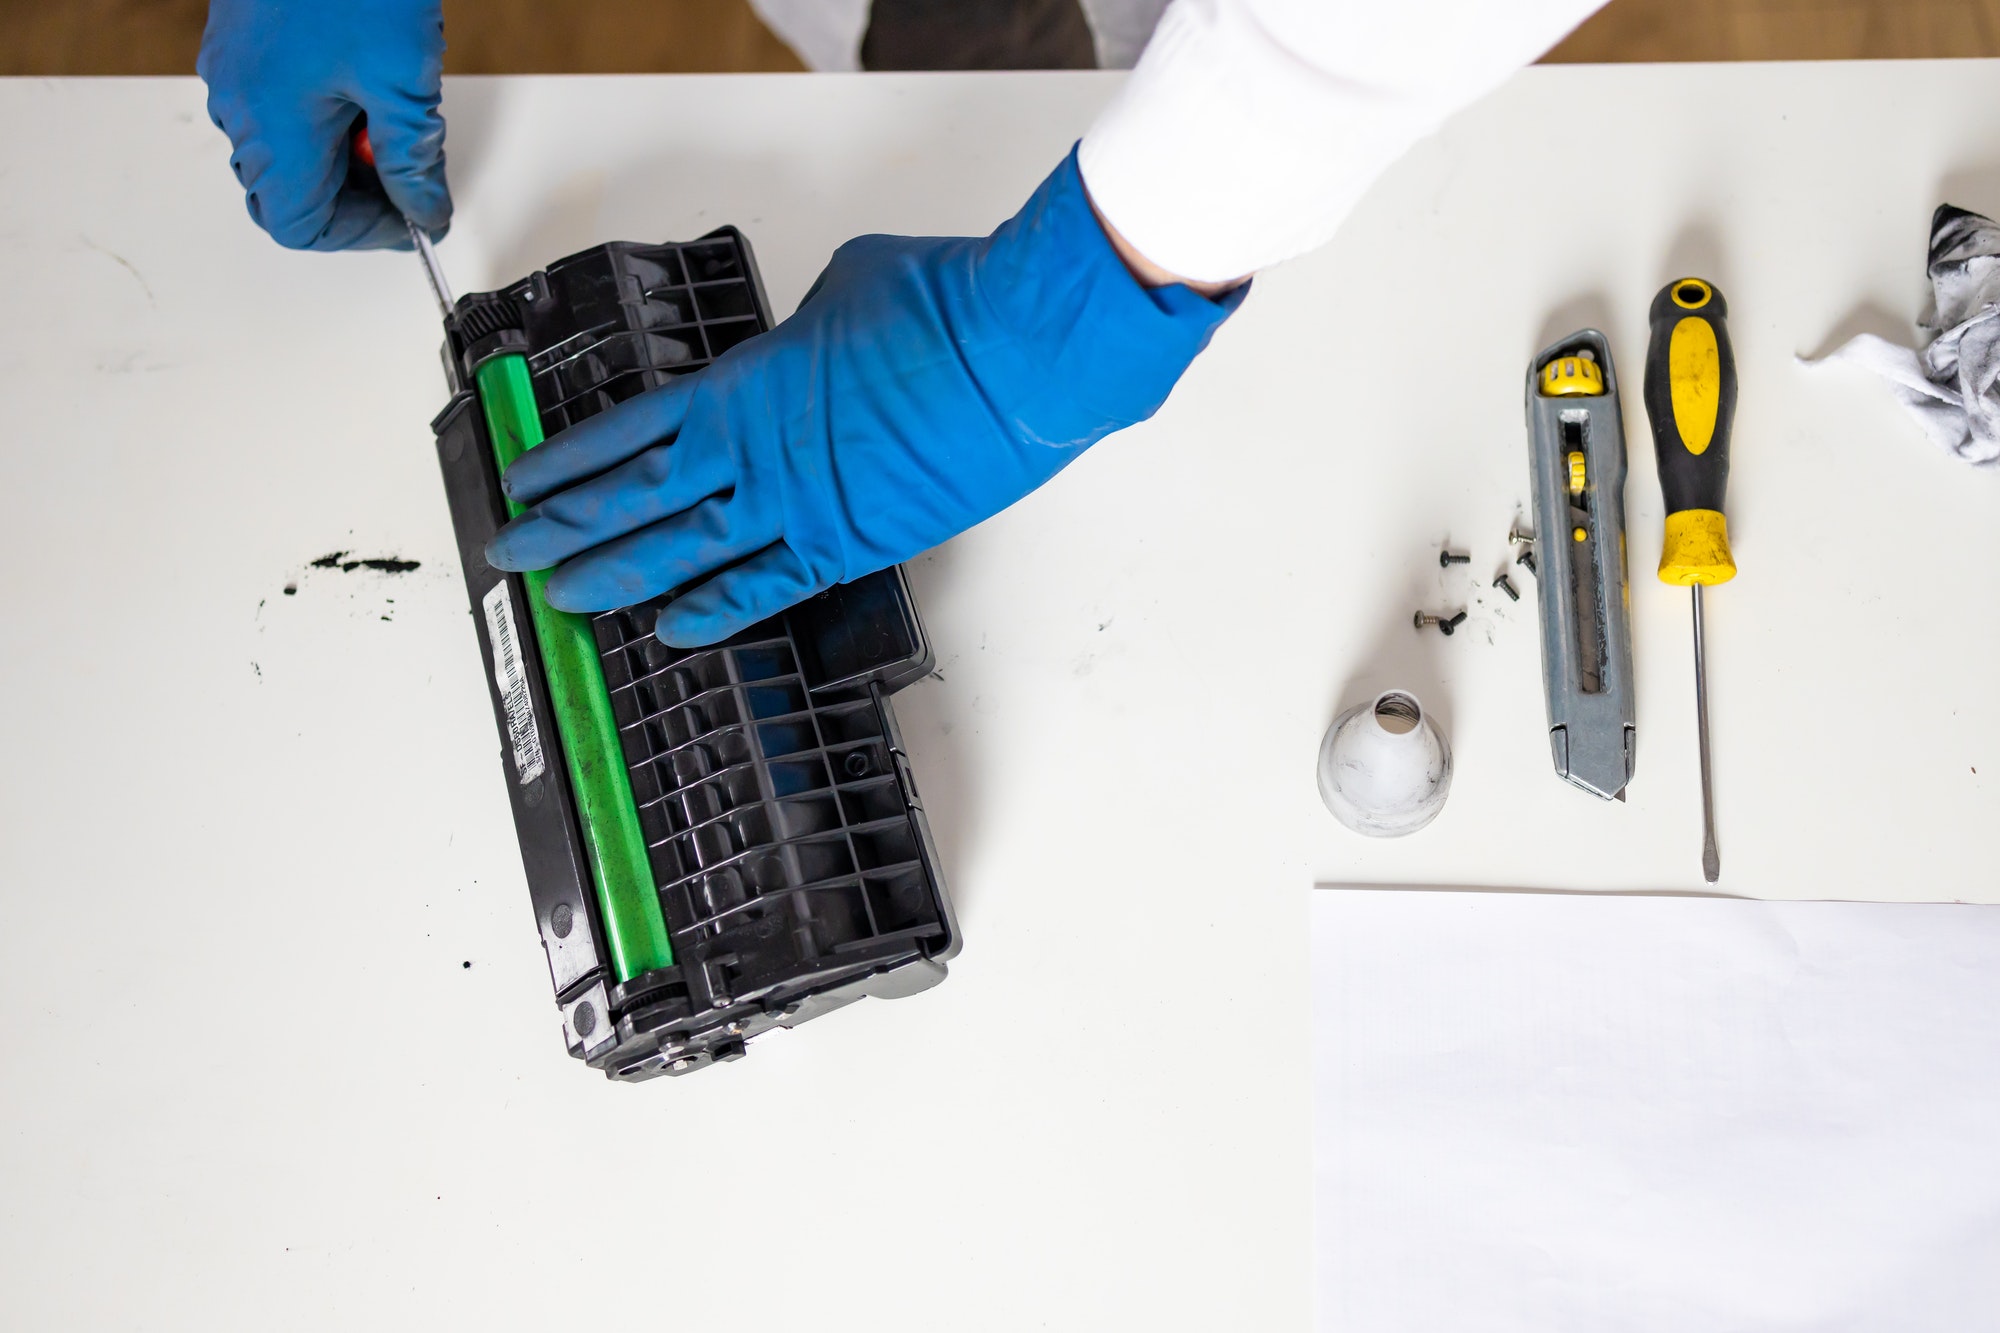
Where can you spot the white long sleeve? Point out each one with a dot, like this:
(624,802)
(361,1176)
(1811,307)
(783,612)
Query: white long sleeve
(1250,128)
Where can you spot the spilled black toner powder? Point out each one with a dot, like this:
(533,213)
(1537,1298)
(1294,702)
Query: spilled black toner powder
(384,564)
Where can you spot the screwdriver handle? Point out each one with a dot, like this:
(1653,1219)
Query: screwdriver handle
(1691,402)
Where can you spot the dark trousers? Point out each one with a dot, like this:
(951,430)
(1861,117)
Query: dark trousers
(977,34)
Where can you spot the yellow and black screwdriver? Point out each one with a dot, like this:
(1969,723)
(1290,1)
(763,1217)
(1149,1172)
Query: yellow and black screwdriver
(1691,399)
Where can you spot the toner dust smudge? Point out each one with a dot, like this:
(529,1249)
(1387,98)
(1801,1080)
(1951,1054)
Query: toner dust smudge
(381,564)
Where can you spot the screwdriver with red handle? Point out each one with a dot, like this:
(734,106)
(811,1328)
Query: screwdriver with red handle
(364,153)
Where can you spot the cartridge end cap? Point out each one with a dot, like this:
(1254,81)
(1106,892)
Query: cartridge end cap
(1696,549)
(489,325)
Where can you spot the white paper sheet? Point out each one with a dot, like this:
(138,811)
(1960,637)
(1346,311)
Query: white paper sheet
(1611,1114)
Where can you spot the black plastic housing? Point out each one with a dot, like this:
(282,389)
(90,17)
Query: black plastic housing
(795,867)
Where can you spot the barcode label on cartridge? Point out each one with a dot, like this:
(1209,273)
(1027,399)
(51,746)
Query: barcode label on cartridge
(513,683)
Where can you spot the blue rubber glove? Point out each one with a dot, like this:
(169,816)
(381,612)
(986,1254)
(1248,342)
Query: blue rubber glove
(925,384)
(287,81)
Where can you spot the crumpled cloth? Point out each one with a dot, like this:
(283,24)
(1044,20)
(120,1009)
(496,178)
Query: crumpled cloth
(1951,386)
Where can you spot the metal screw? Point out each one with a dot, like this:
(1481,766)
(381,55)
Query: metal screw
(1506,585)
(1446,559)
(1516,537)
(1445,624)
(1527,557)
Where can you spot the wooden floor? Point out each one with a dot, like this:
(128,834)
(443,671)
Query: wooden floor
(613,36)
(1786,30)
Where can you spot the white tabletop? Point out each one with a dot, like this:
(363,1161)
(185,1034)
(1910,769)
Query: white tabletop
(281,1049)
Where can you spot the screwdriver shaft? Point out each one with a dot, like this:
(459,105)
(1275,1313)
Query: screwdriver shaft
(1711,861)
(432,269)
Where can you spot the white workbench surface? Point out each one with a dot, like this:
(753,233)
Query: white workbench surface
(252,841)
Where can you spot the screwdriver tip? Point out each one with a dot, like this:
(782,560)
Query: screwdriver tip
(1711,865)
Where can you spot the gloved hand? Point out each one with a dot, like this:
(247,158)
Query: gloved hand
(287,80)
(925,384)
